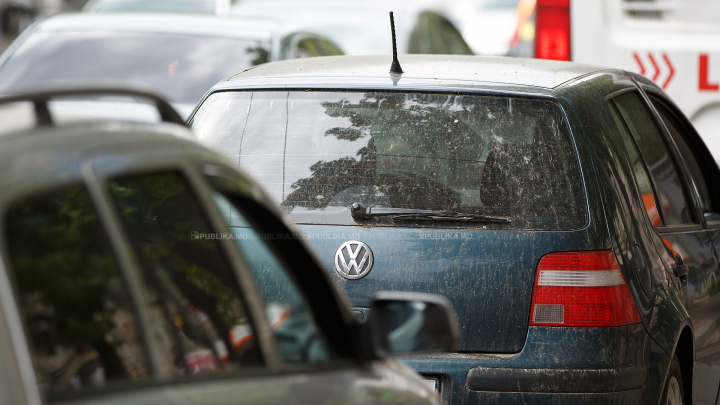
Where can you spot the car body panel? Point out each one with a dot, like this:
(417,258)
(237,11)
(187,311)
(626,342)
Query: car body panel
(437,69)
(45,159)
(582,349)
(476,270)
(631,223)
(374,383)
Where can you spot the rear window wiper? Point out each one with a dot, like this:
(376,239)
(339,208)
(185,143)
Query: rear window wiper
(358,211)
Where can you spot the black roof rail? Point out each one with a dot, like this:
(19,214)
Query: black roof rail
(40,97)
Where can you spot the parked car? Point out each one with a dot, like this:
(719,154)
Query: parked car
(488,26)
(16,15)
(218,7)
(179,56)
(361,28)
(122,283)
(570,213)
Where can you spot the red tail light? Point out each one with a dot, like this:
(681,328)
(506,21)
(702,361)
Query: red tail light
(552,29)
(585,289)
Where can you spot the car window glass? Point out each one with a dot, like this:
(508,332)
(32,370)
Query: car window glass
(444,37)
(317,153)
(80,322)
(647,193)
(191,291)
(327,48)
(676,130)
(181,66)
(308,48)
(657,157)
(296,332)
(434,34)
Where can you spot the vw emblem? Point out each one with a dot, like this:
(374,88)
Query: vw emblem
(353,260)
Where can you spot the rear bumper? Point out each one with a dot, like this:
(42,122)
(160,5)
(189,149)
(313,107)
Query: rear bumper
(556,366)
(556,380)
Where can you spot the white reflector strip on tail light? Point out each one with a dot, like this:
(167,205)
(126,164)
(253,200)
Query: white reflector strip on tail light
(568,278)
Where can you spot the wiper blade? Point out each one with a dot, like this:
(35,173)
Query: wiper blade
(358,211)
(452,216)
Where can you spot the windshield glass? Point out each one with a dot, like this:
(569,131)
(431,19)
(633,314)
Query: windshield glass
(317,153)
(181,67)
(493,4)
(176,6)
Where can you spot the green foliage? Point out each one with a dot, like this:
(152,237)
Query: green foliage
(65,271)
(414,142)
(161,215)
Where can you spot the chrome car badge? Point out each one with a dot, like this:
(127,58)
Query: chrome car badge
(353,260)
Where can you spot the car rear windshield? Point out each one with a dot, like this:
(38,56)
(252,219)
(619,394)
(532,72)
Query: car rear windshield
(318,153)
(182,67)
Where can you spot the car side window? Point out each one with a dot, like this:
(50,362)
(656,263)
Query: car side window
(657,157)
(435,34)
(307,48)
(328,48)
(296,331)
(195,304)
(697,160)
(451,40)
(647,194)
(81,326)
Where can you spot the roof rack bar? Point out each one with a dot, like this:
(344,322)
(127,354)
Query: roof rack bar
(42,113)
(40,98)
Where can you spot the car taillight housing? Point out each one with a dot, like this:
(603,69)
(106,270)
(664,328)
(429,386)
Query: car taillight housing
(581,289)
(552,29)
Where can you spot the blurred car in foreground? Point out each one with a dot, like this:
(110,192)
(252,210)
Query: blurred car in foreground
(362,28)
(123,283)
(570,213)
(16,15)
(217,7)
(179,56)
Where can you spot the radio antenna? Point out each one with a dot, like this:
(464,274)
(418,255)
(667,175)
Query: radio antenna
(395,67)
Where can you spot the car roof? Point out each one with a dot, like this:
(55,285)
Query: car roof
(43,157)
(425,70)
(164,23)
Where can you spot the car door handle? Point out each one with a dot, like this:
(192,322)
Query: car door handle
(680,269)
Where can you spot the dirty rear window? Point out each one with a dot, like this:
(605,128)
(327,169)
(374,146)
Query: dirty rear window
(318,153)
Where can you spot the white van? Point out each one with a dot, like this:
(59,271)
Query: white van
(675,43)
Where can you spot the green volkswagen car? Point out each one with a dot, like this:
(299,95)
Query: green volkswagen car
(570,213)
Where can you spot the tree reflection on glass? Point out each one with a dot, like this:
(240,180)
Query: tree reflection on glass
(398,160)
(191,284)
(75,304)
